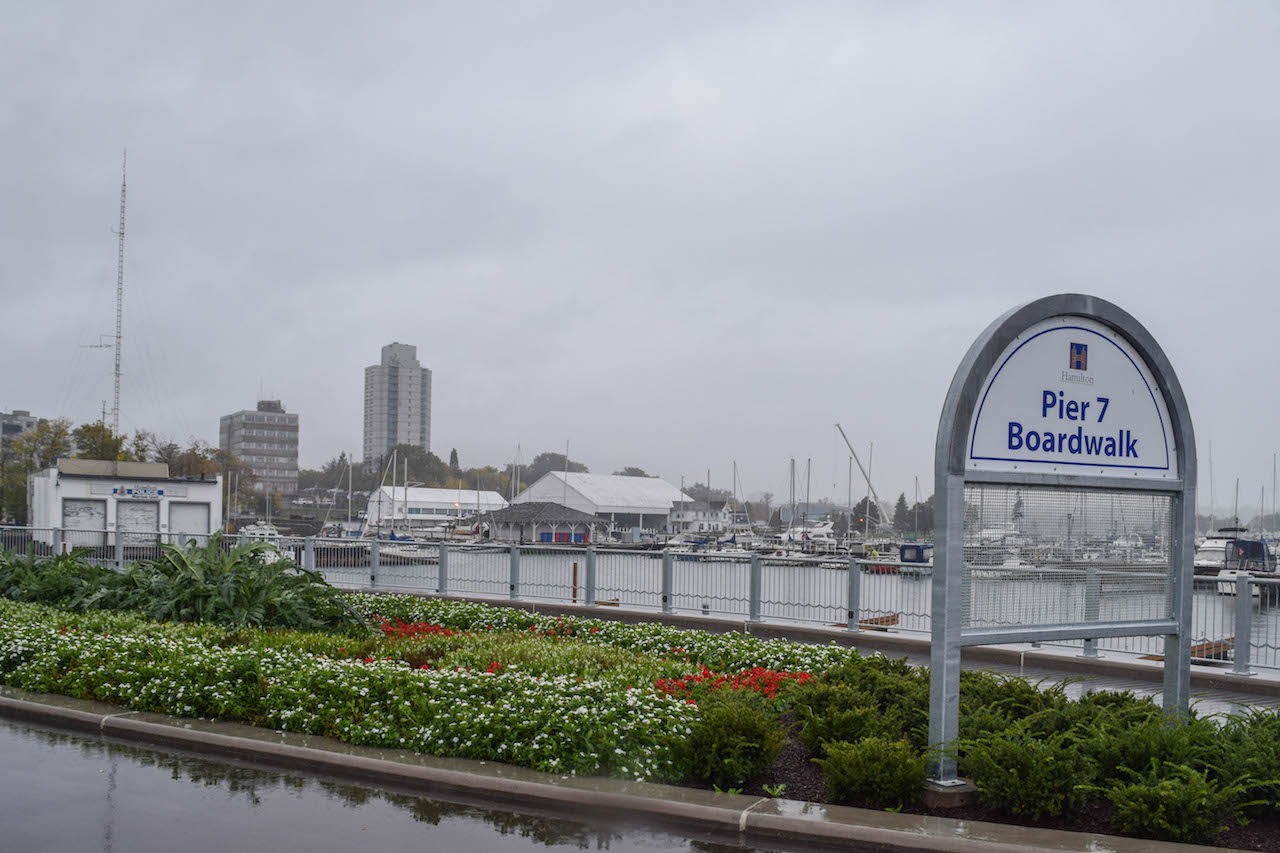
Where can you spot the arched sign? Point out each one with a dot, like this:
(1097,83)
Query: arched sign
(1064,415)
(1070,394)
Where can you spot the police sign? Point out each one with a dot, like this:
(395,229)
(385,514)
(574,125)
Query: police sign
(1070,394)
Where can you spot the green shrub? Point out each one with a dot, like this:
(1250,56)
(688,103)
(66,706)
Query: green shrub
(1121,705)
(1018,697)
(983,721)
(1175,803)
(877,771)
(239,586)
(1249,749)
(734,740)
(65,578)
(899,690)
(1026,774)
(835,711)
(1120,745)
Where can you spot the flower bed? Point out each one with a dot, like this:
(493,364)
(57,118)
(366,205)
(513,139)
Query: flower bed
(549,722)
(578,695)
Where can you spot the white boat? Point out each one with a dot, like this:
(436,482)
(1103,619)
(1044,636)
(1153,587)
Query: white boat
(1231,552)
(813,537)
(265,531)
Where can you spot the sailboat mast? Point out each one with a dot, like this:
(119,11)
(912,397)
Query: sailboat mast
(808,481)
(1213,520)
(791,520)
(848,522)
(866,516)
(915,507)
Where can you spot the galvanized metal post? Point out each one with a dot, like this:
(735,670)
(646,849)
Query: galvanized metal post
(442,575)
(1177,647)
(855,593)
(667,576)
(753,595)
(309,554)
(374,562)
(57,541)
(1244,625)
(589,589)
(119,551)
(1092,598)
(944,649)
(515,571)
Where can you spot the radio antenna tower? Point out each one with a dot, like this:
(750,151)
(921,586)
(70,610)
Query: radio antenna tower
(115,404)
(101,344)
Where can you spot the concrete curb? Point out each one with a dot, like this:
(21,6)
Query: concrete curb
(883,642)
(752,820)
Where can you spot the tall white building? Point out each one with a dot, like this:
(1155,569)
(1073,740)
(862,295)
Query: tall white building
(397,402)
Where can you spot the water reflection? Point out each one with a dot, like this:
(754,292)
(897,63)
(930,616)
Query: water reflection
(76,792)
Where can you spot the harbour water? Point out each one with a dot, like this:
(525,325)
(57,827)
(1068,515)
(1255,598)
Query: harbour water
(817,592)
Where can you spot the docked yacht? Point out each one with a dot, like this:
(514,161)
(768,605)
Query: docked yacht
(1232,548)
(1231,552)
(265,531)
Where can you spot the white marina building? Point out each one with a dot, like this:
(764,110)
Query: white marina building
(401,508)
(625,502)
(707,517)
(97,500)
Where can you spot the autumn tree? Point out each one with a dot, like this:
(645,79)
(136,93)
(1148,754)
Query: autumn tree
(25,454)
(46,444)
(98,441)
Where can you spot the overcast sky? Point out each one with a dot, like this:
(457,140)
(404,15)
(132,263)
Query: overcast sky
(674,234)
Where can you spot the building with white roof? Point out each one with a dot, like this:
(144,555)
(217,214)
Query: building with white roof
(644,502)
(416,506)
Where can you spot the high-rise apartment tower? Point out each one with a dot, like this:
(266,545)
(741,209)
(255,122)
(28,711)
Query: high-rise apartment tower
(397,403)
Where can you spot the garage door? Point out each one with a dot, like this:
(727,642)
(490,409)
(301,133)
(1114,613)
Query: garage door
(187,520)
(138,522)
(85,522)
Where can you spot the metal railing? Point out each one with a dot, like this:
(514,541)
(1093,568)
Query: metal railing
(1235,622)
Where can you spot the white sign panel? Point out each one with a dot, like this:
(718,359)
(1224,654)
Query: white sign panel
(1070,395)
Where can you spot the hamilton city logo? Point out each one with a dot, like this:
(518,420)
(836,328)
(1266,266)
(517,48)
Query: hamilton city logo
(1078,357)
